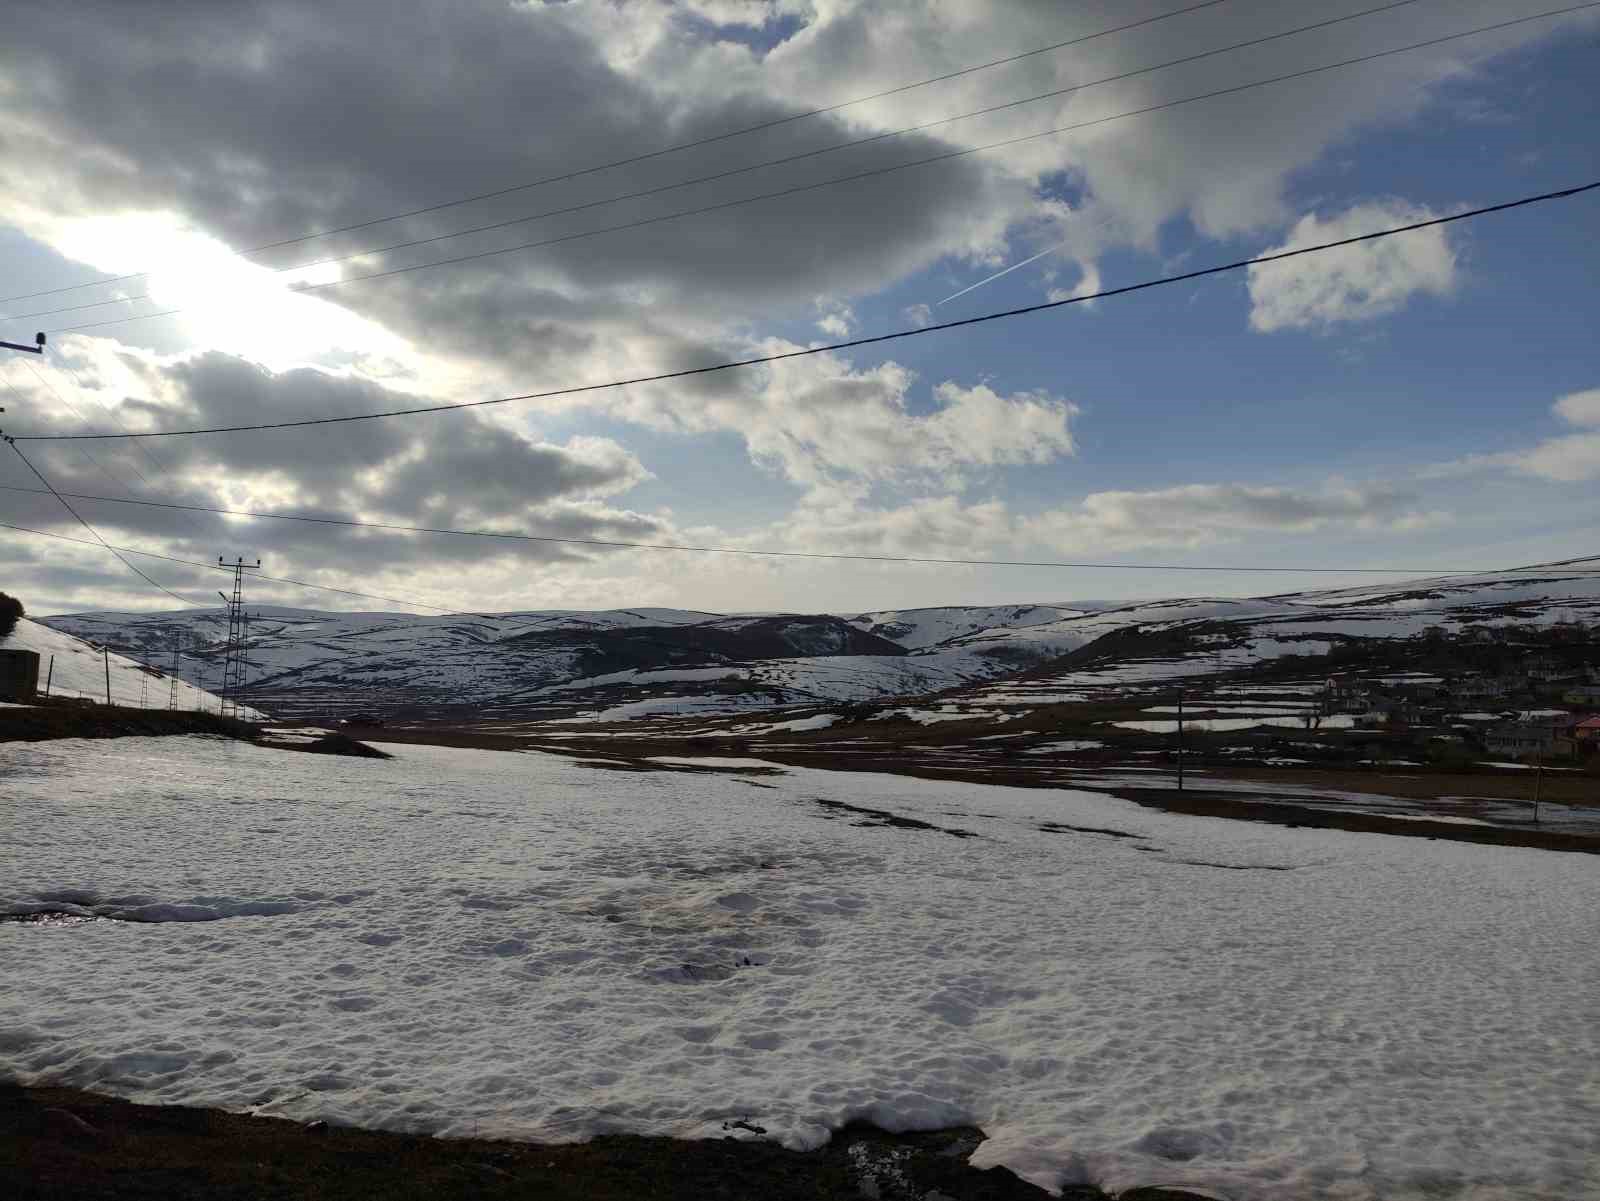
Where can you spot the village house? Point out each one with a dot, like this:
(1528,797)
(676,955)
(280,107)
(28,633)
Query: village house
(1545,670)
(1388,714)
(1544,733)
(1475,689)
(1586,735)
(1345,692)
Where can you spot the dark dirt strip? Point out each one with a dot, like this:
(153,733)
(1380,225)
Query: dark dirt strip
(61,1144)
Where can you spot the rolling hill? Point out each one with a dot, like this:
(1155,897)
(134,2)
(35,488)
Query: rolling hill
(623,664)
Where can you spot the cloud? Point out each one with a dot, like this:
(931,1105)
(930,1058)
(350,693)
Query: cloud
(464,470)
(822,421)
(838,320)
(338,111)
(1190,516)
(1579,408)
(932,526)
(1354,283)
(1569,459)
(1202,514)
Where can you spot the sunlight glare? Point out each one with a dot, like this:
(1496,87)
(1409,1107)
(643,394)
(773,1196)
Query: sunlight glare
(229,302)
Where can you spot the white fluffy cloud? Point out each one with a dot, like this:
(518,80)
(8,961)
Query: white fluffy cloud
(1353,283)
(1571,458)
(1579,408)
(822,421)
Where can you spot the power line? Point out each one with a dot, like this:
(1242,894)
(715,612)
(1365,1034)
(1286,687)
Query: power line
(674,149)
(91,459)
(849,344)
(150,554)
(68,506)
(772,162)
(147,451)
(732,550)
(856,176)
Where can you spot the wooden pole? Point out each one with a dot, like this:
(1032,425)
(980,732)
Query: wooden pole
(106,651)
(48,676)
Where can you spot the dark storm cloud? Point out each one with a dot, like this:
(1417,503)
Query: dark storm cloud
(264,121)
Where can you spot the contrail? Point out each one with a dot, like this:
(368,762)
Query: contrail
(998,274)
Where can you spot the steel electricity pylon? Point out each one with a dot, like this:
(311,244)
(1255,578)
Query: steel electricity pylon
(234,665)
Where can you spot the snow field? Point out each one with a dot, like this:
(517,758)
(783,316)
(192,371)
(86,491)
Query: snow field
(520,945)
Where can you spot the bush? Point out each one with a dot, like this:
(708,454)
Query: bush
(10,612)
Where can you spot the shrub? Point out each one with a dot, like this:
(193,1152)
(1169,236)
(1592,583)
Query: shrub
(10,612)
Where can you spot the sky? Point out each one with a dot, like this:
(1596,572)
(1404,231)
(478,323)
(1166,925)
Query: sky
(1427,402)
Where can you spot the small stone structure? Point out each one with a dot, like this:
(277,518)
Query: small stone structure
(19,675)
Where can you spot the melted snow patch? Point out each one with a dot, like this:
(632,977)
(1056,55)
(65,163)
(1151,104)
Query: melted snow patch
(928,717)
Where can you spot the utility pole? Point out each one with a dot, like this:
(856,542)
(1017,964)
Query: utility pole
(36,348)
(244,662)
(106,651)
(1180,741)
(49,675)
(233,664)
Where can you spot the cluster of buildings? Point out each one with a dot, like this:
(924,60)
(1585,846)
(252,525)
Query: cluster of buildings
(1548,709)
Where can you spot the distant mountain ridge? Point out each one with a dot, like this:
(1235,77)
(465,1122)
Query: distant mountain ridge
(627,663)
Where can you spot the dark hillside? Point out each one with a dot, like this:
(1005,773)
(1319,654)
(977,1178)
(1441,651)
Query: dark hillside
(727,640)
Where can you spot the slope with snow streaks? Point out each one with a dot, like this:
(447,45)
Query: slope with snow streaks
(1149,643)
(919,628)
(73,668)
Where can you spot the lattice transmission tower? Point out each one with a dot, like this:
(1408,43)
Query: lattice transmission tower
(234,664)
(177,653)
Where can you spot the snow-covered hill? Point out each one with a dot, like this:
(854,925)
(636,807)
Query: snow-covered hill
(567,665)
(1168,640)
(73,668)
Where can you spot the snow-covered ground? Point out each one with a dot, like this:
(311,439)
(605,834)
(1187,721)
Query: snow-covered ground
(520,945)
(73,668)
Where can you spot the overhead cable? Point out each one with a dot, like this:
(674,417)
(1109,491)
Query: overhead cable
(146,449)
(149,554)
(94,532)
(737,550)
(673,149)
(745,170)
(825,348)
(855,176)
